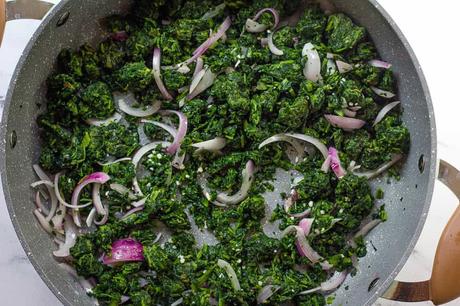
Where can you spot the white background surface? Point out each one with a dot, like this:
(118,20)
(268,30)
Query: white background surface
(432,28)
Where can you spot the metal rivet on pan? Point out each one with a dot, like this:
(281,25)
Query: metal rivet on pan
(13,139)
(63,19)
(421,163)
(373,283)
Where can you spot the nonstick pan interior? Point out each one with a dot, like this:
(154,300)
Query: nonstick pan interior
(75,22)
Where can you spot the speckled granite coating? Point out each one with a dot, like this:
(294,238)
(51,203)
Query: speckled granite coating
(406,216)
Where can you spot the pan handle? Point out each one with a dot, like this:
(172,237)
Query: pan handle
(443,286)
(21,9)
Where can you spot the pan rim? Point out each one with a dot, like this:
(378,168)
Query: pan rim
(384,285)
(380,289)
(4,137)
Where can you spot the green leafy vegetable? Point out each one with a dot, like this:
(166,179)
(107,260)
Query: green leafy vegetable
(255,95)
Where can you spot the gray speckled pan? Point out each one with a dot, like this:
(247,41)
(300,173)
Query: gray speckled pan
(407,201)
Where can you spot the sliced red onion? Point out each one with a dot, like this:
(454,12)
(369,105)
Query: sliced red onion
(70,238)
(331,68)
(132,211)
(116,117)
(326,165)
(294,196)
(302,244)
(181,131)
(43,222)
(367,228)
(380,64)
(171,130)
(83,282)
(336,166)
(54,201)
(76,217)
(353,166)
(344,67)
(97,178)
(139,203)
(274,12)
(312,69)
(57,192)
(374,173)
(41,182)
(38,202)
(266,292)
(331,284)
(147,148)
(312,140)
(349,113)
(253,26)
(125,250)
(213,145)
(58,218)
(182,90)
(63,204)
(300,150)
(384,111)
(197,77)
(96,195)
(345,123)
(240,195)
(306,224)
(123,190)
(125,101)
(271,45)
(44,194)
(157,74)
(204,83)
(115,161)
(157,238)
(198,66)
(183,69)
(213,13)
(138,156)
(177,302)
(105,217)
(90,217)
(302,214)
(383,93)
(49,212)
(210,41)
(40,173)
(230,273)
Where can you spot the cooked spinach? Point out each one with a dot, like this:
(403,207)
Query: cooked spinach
(256,95)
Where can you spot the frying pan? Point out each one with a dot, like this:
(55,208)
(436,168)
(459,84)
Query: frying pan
(73,22)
